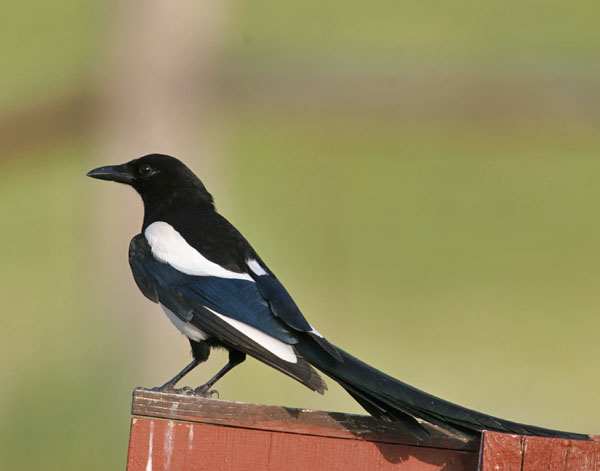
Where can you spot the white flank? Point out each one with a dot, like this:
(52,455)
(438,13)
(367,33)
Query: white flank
(255,267)
(187,329)
(170,247)
(268,342)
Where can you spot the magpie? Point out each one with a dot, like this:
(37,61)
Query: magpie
(218,292)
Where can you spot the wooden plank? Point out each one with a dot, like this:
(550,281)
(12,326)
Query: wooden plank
(520,453)
(185,432)
(544,454)
(500,452)
(583,456)
(157,444)
(283,419)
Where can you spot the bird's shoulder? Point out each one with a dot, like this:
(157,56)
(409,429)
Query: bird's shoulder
(218,241)
(212,235)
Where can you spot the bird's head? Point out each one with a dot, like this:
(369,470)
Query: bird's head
(158,179)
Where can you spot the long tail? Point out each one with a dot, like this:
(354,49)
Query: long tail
(389,399)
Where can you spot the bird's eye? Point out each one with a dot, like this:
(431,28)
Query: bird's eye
(145,170)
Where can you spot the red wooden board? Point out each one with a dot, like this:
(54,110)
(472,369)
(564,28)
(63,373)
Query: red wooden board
(170,445)
(284,419)
(503,452)
(182,432)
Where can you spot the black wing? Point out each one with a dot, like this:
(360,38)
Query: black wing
(209,302)
(220,242)
(284,307)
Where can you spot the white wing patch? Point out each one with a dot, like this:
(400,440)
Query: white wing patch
(170,247)
(187,329)
(268,342)
(255,267)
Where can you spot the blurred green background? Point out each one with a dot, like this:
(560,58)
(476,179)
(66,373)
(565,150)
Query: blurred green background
(421,175)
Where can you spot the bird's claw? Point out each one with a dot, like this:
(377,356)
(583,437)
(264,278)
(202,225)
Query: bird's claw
(202,392)
(163,388)
(166,388)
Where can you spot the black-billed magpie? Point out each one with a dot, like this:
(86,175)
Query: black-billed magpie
(218,292)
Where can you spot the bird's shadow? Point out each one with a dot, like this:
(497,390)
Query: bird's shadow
(395,444)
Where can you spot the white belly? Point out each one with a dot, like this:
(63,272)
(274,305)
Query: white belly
(190,331)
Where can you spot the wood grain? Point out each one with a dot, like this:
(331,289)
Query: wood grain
(519,453)
(157,444)
(285,419)
(184,432)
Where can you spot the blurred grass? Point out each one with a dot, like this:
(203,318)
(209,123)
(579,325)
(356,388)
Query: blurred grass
(460,33)
(461,258)
(459,255)
(464,264)
(61,407)
(46,49)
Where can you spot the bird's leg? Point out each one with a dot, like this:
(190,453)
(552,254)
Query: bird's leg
(200,353)
(170,385)
(235,358)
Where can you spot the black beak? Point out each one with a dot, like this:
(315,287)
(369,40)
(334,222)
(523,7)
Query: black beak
(113,173)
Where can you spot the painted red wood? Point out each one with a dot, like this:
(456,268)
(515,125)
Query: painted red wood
(284,419)
(543,454)
(183,432)
(583,456)
(500,452)
(503,452)
(169,445)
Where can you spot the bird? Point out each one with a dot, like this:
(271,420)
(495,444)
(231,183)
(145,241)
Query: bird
(218,292)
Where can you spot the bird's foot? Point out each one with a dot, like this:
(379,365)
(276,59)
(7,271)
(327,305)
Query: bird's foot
(168,388)
(202,391)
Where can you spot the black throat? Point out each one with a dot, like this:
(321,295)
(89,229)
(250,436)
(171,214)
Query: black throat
(159,204)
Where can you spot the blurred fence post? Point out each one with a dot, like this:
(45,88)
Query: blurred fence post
(157,94)
(159,87)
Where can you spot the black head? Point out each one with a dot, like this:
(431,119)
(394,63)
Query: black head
(159,179)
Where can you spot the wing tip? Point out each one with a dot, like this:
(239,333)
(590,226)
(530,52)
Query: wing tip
(327,346)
